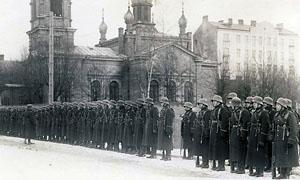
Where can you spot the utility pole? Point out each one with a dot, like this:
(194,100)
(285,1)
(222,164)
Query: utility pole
(51,58)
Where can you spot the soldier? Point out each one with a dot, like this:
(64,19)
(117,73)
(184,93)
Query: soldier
(239,121)
(188,119)
(150,128)
(139,127)
(201,134)
(268,106)
(112,126)
(258,133)
(97,127)
(249,104)
(127,141)
(105,127)
(290,108)
(286,148)
(165,129)
(120,122)
(219,127)
(29,126)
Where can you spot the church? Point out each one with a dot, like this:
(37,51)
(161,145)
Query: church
(140,62)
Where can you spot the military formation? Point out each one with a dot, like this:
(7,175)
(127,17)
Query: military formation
(124,126)
(259,134)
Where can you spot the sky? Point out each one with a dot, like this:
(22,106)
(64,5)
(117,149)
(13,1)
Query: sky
(86,15)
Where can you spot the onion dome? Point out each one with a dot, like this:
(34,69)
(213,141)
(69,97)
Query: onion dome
(182,21)
(128,17)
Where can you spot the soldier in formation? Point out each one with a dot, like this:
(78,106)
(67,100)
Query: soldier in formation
(258,134)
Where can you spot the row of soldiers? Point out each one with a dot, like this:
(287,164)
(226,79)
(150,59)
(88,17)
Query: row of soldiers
(260,135)
(131,127)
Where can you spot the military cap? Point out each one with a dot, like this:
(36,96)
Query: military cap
(258,100)
(249,99)
(236,101)
(289,103)
(282,102)
(217,98)
(203,101)
(121,102)
(149,101)
(231,95)
(29,106)
(268,101)
(188,104)
(164,100)
(113,102)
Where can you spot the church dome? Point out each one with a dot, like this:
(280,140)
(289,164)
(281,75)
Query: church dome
(103,27)
(182,21)
(141,1)
(128,17)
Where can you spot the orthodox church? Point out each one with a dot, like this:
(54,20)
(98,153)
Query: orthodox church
(140,62)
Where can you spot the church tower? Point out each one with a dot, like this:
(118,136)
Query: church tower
(39,33)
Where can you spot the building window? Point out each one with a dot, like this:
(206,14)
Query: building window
(269,41)
(238,39)
(238,53)
(275,42)
(95,90)
(42,7)
(188,92)
(226,37)
(57,42)
(260,41)
(253,41)
(139,13)
(247,39)
(171,91)
(154,90)
(56,6)
(5,101)
(226,51)
(292,42)
(269,57)
(114,91)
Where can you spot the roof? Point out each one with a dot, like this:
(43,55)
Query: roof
(95,51)
(287,32)
(171,44)
(232,26)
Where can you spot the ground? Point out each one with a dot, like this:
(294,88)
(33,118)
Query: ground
(49,161)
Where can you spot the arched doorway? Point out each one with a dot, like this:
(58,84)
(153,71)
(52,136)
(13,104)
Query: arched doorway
(188,92)
(171,91)
(114,90)
(95,90)
(154,90)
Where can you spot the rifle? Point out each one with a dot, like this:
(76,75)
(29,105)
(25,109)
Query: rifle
(273,161)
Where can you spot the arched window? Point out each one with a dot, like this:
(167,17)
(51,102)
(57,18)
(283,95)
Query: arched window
(171,91)
(56,7)
(95,90)
(114,91)
(154,90)
(188,92)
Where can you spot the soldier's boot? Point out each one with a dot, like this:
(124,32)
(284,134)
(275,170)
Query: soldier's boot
(198,162)
(163,155)
(283,174)
(259,172)
(205,163)
(184,154)
(190,154)
(25,141)
(221,165)
(232,167)
(214,167)
(241,169)
(251,173)
(29,142)
(268,166)
(168,155)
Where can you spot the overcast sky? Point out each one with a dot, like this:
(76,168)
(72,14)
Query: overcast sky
(86,14)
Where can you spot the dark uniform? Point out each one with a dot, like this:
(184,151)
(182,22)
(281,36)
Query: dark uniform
(128,131)
(139,128)
(29,124)
(219,136)
(201,137)
(258,133)
(239,121)
(187,123)
(286,141)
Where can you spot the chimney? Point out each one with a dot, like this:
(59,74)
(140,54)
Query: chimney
(241,22)
(205,19)
(279,26)
(1,57)
(253,23)
(230,21)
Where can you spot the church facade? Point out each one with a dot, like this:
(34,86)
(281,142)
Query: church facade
(140,62)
